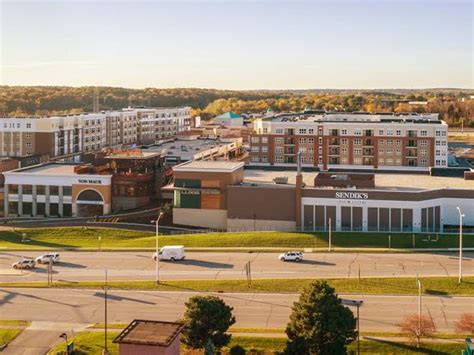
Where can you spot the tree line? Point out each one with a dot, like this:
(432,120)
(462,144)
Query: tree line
(454,106)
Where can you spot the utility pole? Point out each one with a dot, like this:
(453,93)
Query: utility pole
(461,221)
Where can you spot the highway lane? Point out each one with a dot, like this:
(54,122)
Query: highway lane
(76,266)
(379,312)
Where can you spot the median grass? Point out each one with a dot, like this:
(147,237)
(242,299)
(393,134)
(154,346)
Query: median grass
(8,334)
(92,343)
(88,238)
(436,286)
(14,323)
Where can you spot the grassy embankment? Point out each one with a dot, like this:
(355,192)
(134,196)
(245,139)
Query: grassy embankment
(395,285)
(77,238)
(10,329)
(89,342)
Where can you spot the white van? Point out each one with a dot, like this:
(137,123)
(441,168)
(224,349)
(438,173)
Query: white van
(171,252)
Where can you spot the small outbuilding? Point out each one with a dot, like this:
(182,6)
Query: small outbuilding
(147,337)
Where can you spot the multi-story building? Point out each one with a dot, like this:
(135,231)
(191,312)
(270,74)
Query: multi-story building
(65,135)
(53,136)
(351,141)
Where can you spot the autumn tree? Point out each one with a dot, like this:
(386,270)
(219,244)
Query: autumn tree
(417,327)
(465,324)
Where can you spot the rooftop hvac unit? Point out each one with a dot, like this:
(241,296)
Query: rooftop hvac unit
(281,180)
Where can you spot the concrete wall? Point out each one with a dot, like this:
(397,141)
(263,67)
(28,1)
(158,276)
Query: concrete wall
(134,349)
(204,218)
(258,224)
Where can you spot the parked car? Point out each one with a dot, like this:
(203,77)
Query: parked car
(24,264)
(171,252)
(46,258)
(291,256)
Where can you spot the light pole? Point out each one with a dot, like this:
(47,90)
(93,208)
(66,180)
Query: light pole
(329,240)
(418,282)
(357,304)
(105,288)
(461,220)
(157,222)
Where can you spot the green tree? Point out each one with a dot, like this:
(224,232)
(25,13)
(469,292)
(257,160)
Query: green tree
(319,323)
(207,318)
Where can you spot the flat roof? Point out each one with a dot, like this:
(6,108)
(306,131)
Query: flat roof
(188,148)
(209,165)
(402,181)
(48,169)
(132,156)
(147,332)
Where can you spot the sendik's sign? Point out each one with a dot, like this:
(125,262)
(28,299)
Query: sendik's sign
(352,195)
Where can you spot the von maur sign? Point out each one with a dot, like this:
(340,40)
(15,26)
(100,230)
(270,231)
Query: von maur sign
(352,195)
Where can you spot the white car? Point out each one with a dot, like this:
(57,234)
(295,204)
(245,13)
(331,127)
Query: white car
(46,258)
(24,264)
(291,256)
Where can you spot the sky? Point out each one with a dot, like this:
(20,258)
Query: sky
(267,44)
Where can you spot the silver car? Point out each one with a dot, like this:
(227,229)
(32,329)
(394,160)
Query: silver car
(24,264)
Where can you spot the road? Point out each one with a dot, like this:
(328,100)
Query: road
(76,266)
(73,306)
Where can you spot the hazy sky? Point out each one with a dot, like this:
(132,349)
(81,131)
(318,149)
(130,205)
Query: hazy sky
(238,44)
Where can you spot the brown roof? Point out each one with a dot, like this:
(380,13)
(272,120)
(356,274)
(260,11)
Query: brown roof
(148,332)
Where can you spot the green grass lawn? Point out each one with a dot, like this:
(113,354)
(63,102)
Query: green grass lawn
(15,323)
(92,343)
(8,334)
(395,285)
(87,238)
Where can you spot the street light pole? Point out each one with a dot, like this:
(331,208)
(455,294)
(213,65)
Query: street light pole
(461,220)
(418,281)
(106,350)
(157,222)
(330,241)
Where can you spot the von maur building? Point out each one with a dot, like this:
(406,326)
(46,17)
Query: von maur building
(220,195)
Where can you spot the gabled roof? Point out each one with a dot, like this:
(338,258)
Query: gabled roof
(229,115)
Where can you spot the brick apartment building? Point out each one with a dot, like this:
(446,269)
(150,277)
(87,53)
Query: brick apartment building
(351,141)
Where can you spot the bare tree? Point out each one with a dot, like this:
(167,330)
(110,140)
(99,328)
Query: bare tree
(465,324)
(417,327)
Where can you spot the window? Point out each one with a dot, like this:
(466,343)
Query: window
(358,161)
(358,151)
(423,153)
(264,139)
(311,131)
(389,142)
(264,149)
(380,132)
(357,141)
(389,132)
(438,162)
(320,150)
(423,133)
(438,142)
(344,132)
(423,162)
(399,152)
(255,149)
(320,140)
(399,132)
(28,144)
(310,140)
(344,141)
(279,131)
(265,130)
(255,139)
(28,125)
(302,130)
(302,140)
(423,143)
(399,142)
(264,159)
(279,150)
(389,151)
(320,160)
(344,150)
(279,159)
(254,158)
(311,150)
(357,132)
(320,131)
(381,151)
(278,140)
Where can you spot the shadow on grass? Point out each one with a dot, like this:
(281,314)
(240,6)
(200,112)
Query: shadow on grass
(436,292)
(15,238)
(406,347)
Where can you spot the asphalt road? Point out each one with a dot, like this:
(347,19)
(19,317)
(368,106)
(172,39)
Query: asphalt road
(76,266)
(69,306)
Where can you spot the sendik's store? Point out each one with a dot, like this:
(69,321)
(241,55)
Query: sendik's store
(313,202)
